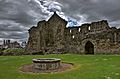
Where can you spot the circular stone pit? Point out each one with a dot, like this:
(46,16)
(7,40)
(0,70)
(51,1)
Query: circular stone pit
(46,63)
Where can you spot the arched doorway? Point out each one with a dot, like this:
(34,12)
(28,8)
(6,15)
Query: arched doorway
(89,48)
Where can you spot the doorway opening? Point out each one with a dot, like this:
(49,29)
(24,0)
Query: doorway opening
(89,48)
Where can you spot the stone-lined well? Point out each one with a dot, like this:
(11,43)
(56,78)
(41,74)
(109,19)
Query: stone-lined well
(47,63)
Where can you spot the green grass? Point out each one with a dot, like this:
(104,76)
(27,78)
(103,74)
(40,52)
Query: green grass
(86,67)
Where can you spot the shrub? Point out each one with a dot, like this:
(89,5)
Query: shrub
(13,51)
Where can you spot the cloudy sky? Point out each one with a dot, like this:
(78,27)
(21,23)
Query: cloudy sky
(17,16)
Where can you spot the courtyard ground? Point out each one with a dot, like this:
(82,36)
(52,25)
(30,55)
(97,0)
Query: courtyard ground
(85,67)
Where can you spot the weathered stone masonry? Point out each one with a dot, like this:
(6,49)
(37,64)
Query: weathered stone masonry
(53,36)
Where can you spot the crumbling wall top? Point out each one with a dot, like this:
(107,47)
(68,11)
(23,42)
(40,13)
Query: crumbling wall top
(32,29)
(41,22)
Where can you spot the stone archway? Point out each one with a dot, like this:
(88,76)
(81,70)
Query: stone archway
(89,48)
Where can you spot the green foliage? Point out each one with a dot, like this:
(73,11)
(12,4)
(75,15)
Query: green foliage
(86,67)
(17,50)
(1,50)
(13,51)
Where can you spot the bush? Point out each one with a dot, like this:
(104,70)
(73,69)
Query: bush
(1,51)
(13,51)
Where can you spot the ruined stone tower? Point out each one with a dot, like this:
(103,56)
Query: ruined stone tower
(53,36)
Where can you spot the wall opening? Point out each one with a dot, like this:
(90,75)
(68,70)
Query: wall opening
(89,48)
(89,28)
(70,30)
(79,30)
(73,36)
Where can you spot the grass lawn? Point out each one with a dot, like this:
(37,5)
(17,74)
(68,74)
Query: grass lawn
(85,67)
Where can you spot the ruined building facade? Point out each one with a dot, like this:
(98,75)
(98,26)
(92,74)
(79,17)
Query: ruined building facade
(53,36)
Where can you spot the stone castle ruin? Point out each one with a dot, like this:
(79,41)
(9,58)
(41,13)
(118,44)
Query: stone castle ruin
(53,36)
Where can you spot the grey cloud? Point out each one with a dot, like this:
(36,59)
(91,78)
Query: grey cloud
(11,27)
(13,35)
(16,12)
(14,19)
(94,9)
(17,16)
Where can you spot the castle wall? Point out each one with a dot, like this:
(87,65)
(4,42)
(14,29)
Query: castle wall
(53,36)
(104,39)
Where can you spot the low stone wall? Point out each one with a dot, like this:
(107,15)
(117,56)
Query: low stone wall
(46,63)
